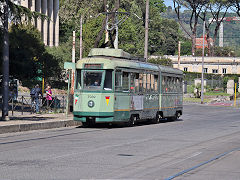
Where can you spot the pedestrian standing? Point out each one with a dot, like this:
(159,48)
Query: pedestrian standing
(49,95)
(36,93)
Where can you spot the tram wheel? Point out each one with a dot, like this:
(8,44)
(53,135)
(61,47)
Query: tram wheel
(132,121)
(85,124)
(173,118)
(156,120)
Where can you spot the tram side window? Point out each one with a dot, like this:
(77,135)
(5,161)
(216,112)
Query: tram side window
(152,83)
(136,83)
(132,82)
(125,83)
(140,82)
(173,84)
(78,80)
(156,83)
(144,82)
(118,81)
(108,80)
(181,85)
(148,82)
(163,84)
(168,84)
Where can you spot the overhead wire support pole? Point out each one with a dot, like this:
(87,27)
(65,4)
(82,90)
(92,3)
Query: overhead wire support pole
(5,64)
(146,31)
(116,28)
(115,24)
(179,53)
(81,43)
(202,80)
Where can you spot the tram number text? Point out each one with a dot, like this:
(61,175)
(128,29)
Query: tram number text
(91,96)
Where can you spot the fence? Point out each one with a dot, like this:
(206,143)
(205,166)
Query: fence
(25,104)
(211,85)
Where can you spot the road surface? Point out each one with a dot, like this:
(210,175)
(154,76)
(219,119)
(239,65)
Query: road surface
(146,151)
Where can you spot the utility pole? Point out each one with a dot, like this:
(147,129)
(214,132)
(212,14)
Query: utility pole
(202,80)
(73,61)
(5,65)
(146,31)
(81,46)
(179,53)
(116,28)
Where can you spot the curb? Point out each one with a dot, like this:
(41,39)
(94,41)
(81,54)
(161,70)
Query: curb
(38,126)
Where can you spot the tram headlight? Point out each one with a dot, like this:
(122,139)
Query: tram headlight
(91,104)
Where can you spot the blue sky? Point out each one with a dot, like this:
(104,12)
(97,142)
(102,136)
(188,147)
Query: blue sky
(168,2)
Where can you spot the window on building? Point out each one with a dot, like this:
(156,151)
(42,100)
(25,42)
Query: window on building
(215,71)
(205,70)
(224,71)
(185,69)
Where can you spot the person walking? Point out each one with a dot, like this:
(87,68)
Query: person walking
(35,93)
(49,95)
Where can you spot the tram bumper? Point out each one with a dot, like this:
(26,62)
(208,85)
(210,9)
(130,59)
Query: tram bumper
(96,117)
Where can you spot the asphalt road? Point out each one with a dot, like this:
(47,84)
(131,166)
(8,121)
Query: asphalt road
(146,151)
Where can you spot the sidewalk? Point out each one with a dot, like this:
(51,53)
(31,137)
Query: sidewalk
(37,121)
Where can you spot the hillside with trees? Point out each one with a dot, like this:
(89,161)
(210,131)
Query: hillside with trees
(192,14)
(231,28)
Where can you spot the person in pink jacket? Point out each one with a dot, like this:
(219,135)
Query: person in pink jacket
(49,95)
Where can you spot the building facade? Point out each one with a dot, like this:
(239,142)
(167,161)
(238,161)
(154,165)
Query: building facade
(49,28)
(213,65)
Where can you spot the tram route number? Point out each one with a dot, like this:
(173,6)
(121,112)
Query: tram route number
(91,96)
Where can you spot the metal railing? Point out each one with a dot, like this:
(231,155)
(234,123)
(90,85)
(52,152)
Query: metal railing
(25,104)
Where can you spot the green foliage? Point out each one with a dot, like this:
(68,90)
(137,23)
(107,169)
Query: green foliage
(28,56)
(161,61)
(163,33)
(224,51)
(130,36)
(186,47)
(163,37)
(199,52)
(26,49)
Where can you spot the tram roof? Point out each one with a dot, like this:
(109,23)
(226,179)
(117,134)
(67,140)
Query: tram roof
(118,58)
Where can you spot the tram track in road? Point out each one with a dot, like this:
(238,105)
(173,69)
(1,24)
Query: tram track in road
(196,155)
(49,137)
(203,163)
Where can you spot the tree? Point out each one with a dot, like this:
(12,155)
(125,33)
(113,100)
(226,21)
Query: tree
(217,10)
(195,7)
(161,61)
(28,56)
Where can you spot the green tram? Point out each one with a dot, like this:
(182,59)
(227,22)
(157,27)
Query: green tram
(111,87)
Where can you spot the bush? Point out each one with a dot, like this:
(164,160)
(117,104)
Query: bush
(161,61)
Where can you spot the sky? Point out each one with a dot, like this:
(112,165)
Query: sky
(168,2)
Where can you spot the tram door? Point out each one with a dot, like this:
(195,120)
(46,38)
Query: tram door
(122,96)
(136,96)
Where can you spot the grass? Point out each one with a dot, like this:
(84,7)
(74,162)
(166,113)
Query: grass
(196,100)
(216,94)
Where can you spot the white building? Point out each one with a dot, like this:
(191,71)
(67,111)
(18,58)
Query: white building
(49,28)
(214,65)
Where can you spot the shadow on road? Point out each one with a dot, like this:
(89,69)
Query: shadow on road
(122,125)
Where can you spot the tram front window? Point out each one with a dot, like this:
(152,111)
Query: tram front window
(92,80)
